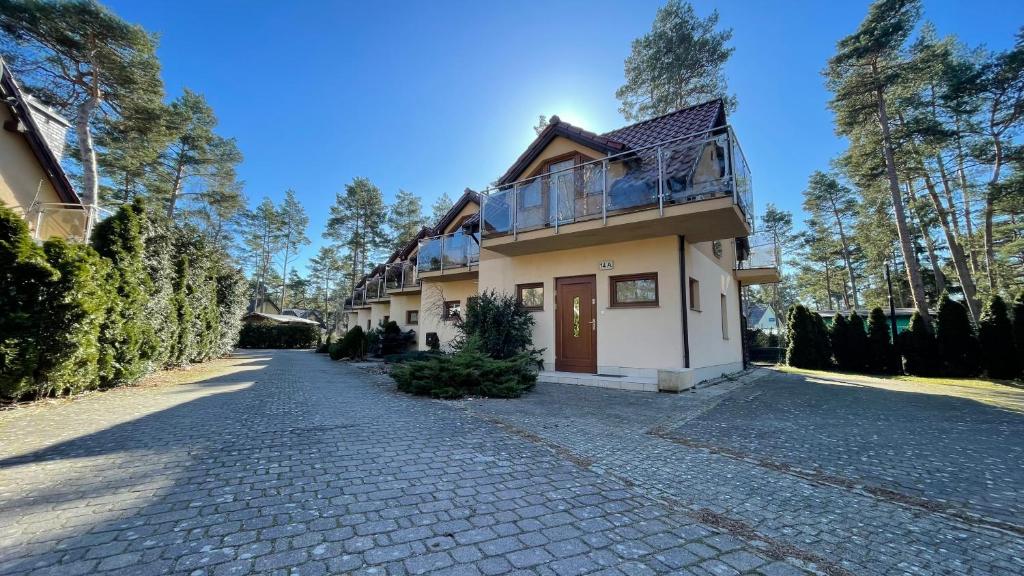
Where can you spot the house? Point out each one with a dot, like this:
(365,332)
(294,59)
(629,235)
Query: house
(629,247)
(266,318)
(762,317)
(305,313)
(263,305)
(32,181)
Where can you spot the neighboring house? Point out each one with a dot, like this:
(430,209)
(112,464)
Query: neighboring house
(762,317)
(304,313)
(630,248)
(261,318)
(32,181)
(263,305)
(902,316)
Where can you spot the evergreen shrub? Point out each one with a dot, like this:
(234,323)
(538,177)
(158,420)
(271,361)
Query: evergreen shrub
(954,334)
(881,353)
(268,335)
(467,372)
(995,333)
(802,351)
(857,343)
(919,349)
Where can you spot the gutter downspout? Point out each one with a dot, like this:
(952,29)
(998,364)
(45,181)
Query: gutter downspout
(743,327)
(683,287)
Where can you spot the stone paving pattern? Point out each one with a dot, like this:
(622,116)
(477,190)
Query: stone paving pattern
(952,450)
(860,533)
(294,464)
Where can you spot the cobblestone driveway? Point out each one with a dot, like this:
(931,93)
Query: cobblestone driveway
(869,481)
(292,464)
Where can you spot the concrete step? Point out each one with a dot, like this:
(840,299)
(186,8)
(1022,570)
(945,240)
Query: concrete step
(638,383)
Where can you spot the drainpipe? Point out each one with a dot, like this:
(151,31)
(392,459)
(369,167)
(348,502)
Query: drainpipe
(684,287)
(743,327)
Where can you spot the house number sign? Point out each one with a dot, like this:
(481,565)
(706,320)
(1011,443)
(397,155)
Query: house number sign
(606,265)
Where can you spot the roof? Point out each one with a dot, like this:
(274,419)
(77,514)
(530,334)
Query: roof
(756,312)
(693,120)
(18,102)
(262,302)
(281,318)
(467,196)
(300,312)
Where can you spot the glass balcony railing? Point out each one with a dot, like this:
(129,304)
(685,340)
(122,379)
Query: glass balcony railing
(455,250)
(763,251)
(685,170)
(400,275)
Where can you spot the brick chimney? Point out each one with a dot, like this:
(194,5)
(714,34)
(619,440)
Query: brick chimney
(53,126)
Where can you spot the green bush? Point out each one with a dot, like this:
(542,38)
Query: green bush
(353,344)
(958,347)
(1018,331)
(839,334)
(918,347)
(73,303)
(325,345)
(468,372)
(410,356)
(995,333)
(499,323)
(857,343)
(822,342)
(881,353)
(267,335)
(23,273)
(802,351)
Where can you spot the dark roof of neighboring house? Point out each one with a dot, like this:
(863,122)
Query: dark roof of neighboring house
(300,312)
(467,197)
(253,304)
(281,318)
(17,101)
(695,120)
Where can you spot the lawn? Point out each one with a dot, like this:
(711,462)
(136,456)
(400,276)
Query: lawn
(1007,394)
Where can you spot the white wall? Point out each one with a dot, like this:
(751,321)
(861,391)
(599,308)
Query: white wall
(431,295)
(708,349)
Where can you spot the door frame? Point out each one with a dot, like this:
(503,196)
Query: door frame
(590,279)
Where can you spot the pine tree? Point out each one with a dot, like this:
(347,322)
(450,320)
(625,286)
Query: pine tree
(881,354)
(357,223)
(405,219)
(918,346)
(823,344)
(995,333)
(833,204)
(294,222)
(857,343)
(863,75)
(679,63)
(439,208)
(958,347)
(79,54)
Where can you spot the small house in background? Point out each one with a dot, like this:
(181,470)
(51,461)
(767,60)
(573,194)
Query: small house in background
(902,316)
(762,317)
(304,313)
(263,305)
(265,318)
(32,181)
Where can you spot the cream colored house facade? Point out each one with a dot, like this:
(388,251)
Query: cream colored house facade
(32,182)
(630,249)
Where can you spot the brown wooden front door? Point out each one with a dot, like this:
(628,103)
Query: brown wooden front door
(576,324)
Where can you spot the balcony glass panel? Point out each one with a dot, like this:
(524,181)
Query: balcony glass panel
(764,252)
(497,212)
(429,257)
(455,250)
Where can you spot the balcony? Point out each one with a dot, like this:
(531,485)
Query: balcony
(698,186)
(358,299)
(759,259)
(449,257)
(401,278)
(375,290)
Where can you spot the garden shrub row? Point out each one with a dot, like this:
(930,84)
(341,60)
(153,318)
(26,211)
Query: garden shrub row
(954,349)
(269,335)
(147,294)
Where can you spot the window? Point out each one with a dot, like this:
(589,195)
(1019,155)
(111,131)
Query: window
(452,310)
(531,296)
(387,319)
(725,319)
(634,290)
(694,295)
(412,316)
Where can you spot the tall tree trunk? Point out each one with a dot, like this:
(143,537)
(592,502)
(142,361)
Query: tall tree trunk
(846,254)
(179,176)
(929,243)
(963,273)
(87,149)
(913,272)
(947,189)
(965,191)
(990,255)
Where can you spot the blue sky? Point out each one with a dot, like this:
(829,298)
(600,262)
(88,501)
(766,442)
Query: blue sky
(437,96)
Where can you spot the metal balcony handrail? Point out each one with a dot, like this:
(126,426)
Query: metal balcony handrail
(734,163)
(470,249)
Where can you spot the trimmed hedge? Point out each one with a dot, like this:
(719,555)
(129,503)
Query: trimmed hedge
(352,345)
(267,335)
(146,295)
(995,333)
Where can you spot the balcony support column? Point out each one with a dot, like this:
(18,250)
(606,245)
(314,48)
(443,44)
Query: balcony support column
(604,193)
(661,185)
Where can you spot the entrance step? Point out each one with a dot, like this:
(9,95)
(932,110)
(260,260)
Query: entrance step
(638,383)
